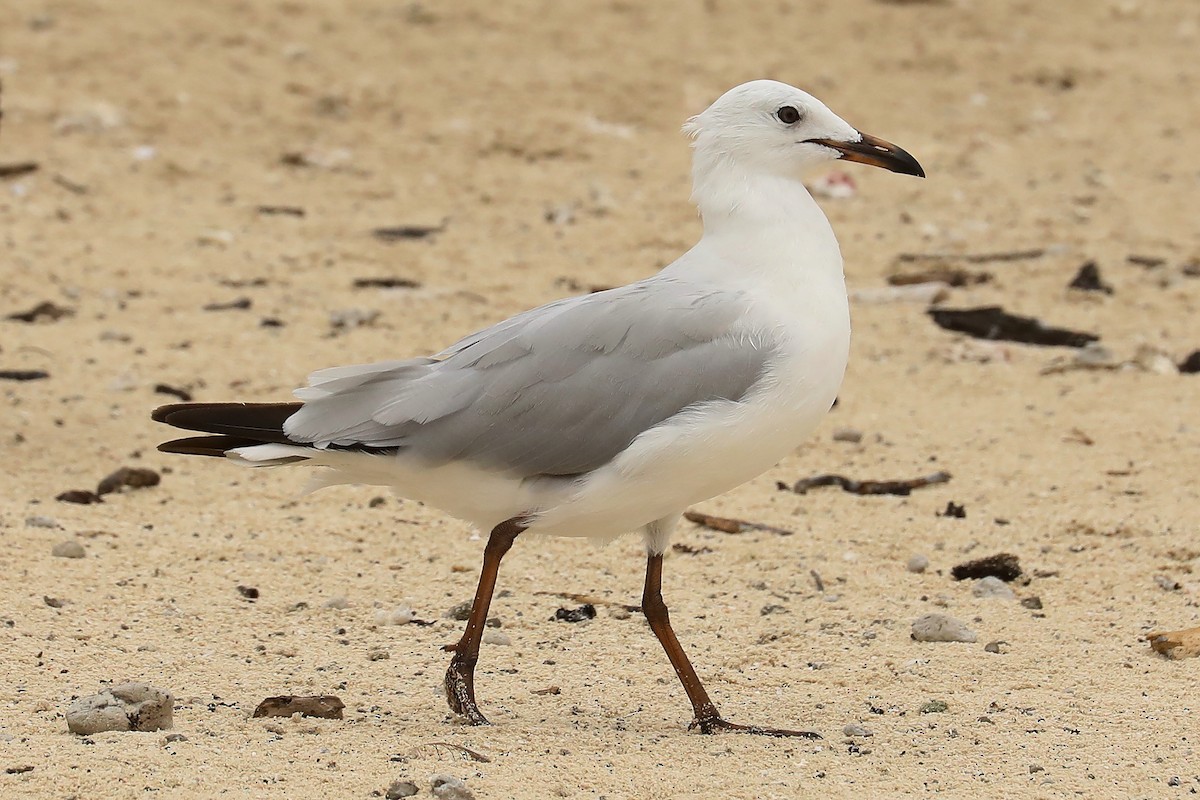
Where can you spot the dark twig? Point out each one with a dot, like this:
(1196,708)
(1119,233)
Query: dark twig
(728,525)
(974,258)
(902,487)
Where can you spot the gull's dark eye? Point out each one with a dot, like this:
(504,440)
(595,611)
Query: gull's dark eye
(788,115)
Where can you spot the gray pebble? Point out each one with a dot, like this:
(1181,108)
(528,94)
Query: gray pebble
(448,787)
(399,789)
(378,655)
(918,563)
(39,521)
(68,549)
(856,730)
(493,636)
(847,435)
(1036,768)
(460,612)
(125,707)
(941,628)
(991,586)
(1167,584)
(996,647)
(337,603)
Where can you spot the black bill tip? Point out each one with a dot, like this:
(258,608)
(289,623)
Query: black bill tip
(876,152)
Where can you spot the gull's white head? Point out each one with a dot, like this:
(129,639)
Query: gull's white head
(771,128)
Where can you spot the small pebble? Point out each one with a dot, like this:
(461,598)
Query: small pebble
(68,549)
(400,789)
(1036,768)
(448,787)
(337,603)
(172,738)
(584,612)
(493,636)
(918,563)
(997,647)
(1167,584)
(125,707)
(39,521)
(935,707)
(847,435)
(53,602)
(991,586)
(400,615)
(460,612)
(378,655)
(941,628)
(1032,601)
(856,730)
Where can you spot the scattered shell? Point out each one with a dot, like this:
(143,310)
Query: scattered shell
(325,706)
(68,549)
(991,586)
(400,789)
(400,615)
(448,787)
(125,707)
(941,628)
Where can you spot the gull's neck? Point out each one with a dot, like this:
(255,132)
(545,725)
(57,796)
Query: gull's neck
(777,212)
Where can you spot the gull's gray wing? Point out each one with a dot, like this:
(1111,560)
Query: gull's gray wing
(558,390)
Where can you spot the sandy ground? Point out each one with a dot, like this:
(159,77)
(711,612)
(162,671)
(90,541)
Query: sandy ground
(545,137)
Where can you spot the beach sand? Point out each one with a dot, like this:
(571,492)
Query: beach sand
(243,153)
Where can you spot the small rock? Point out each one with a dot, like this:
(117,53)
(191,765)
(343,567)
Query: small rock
(131,477)
(941,628)
(172,738)
(337,603)
(1088,279)
(1174,781)
(378,655)
(400,789)
(1004,566)
(1033,602)
(21,770)
(53,602)
(935,707)
(584,612)
(773,608)
(998,647)
(493,636)
(856,730)
(125,707)
(248,592)
(847,435)
(81,496)
(460,612)
(68,549)
(918,563)
(954,511)
(324,706)
(39,521)
(1036,768)
(1153,360)
(1191,364)
(1167,584)
(448,787)
(991,586)
(349,318)
(400,615)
